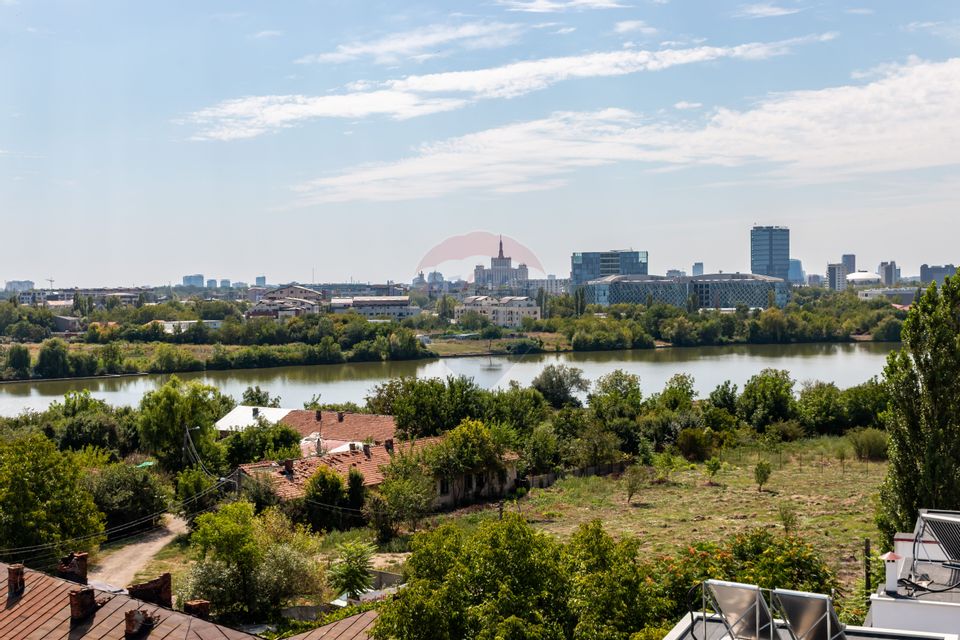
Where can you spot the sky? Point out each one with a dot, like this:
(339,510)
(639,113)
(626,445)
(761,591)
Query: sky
(342,140)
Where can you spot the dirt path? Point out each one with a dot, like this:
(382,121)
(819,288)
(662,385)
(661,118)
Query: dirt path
(118,568)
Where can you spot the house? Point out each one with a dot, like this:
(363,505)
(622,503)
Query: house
(393,307)
(38,606)
(508,311)
(293,291)
(66,324)
(179,326)
(353,628)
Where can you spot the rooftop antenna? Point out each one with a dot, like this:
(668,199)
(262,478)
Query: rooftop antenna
(50,280)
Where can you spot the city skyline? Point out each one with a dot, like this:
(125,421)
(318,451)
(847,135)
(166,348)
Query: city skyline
(346,140)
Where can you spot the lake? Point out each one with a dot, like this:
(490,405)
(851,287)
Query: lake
(844,364)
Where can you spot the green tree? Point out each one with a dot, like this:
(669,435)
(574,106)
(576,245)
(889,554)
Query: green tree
(634,478)
(724,396)
(767,397)
(924,416)
(559,384)
(820,408)
(196,493)
(761,473)
(351,572)
(167,413)
(257,397)
(18,360)
(541,453)
(126,494)
(325,498)
(52,360)
(229,537)
(408,489)
(44,502)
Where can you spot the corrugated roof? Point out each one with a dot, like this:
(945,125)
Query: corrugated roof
(353,628)
(43,611)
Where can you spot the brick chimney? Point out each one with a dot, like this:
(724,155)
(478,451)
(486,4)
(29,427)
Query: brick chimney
(73,567)
(83,603)
(15,582)
(366,449)
(137,622)
(388,445)
(339,416)
(157,591)
(319,415)
(288,466)
(197,608)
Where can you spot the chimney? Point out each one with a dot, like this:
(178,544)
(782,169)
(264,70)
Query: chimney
(15,583)
(388,445)
(891,562)
(73,567)
(197,608)
(256,411)
(353,446)
(136,622)
(366,449)
(157,591)
(288,466)
(339,416)
(319,415)
(83,603)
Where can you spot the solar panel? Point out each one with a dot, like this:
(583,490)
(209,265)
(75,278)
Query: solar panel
(743,609)
(810,616)
(945,525)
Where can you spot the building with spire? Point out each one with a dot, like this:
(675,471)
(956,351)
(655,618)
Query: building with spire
(501,272)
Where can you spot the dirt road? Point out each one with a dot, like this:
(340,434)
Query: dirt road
(118,567)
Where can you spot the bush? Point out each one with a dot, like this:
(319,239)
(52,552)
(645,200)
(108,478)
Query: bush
(128,495)
(786,431)
(695,445)
(634,478)
(869,443)
(761,473)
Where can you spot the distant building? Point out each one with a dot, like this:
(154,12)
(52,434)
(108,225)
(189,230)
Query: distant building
(836,276)
(889,273)
(849,261)
(508,311)
(280,308)
(862,278)
(195,280)
(697,269)
(224,284)
(551,286)
(592,265)
(795,273)
(261,281)
(501,272)
(211,284)
(393,307)
(293,291)
(928,274)
(711,291)
(770,252)
(898,295)
(18,286)
(239,285)
(179,326)
(675,273)
(814,280)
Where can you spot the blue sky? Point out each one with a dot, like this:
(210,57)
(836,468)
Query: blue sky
(140,141)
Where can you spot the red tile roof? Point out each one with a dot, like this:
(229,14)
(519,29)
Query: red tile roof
(352,628)
(354,426)
(43,611)
(291,485)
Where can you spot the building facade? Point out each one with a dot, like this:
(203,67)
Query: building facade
(260,281)
(712,291)
(849,261)
(936,273)
(393,307)
(508,311)
(18,286)
(194,280)
(501,272)
(551,286)
(795,273)
(889,273)
(697,269)
(770,252)
(836,276)
(593,265)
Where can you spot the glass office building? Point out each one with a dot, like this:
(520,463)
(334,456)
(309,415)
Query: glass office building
(770,252)
(591,265)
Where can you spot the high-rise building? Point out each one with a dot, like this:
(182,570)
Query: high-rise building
(849,261)
(697,269)
(224,284)
(795,273)
(501,272)
(211,284)
(889,273)
(195,280)
(836,276)
(936,273)
(592,265)
(18,286)
(675,273)
(261,281)
(770,251)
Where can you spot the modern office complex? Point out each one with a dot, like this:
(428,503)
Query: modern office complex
(795,273)
(211,284)
(770,252)
(836,276)
(591,265)
(19,286)
(936,273)
(195,280)
(889,273)
(849,261)
(712,291)
(697,269)
(261,281)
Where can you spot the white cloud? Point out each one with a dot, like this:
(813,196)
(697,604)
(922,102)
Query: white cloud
(556,6)
(859,11)
(765,10)
(562,31)
(417,95)
(904,121)
(634,26)
(683,105)
(942,29)
(268,33)
(421,43)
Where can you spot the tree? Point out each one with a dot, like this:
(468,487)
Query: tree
(616,396)
(262,441)
(767,397)
(52,360)
(352,570)
(542,451)
(228,536)
(924,416)
(18,360)
(761,473)
(325,496)
(129,497)
(559,384)
(633,479)
(821,408)
(408,489)
(257,397)
(166,414)
(725,397)
(195,493)
(44,501)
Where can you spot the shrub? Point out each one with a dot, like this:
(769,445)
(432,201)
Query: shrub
(633,479)
(761,473)
(868,444)
(788,516)
(127,495)
(712,468)
(695,444)
(786,431)
(351,572)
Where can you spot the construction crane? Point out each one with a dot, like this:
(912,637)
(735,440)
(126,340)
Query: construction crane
(50,280)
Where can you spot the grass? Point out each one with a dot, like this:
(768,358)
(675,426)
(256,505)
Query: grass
(834,505)
(175,559)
